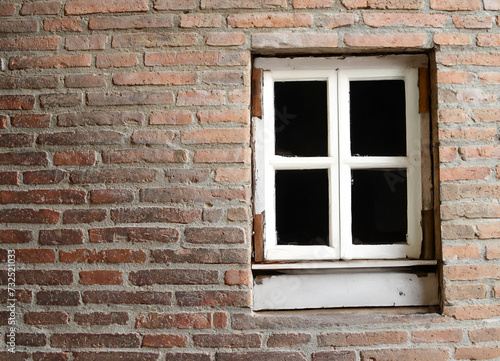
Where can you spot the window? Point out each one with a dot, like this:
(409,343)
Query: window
(338,155)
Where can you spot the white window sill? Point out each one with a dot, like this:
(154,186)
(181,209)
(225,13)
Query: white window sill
(342,265)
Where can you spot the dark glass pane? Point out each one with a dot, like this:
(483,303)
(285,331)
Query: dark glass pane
(301,118)
(302,207)
(379,206)
(378,118)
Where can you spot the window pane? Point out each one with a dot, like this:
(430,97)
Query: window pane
(378,118)
(301,118)
(302,207)
(379,206)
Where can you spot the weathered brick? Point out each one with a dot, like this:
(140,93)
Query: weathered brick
(19,26)
(269,20)
(201,21)
(237,277)
(53,176)
(334,21)
(225,39)
(452,39)
(213,298)
(85,81)
(171,356)
(155,78)
(95,340)
(492,252)
(198,255)
(174,320)
(63,24)
(384,4)
(20,215)
(146,155)
(402,19)
(7,9)
(73,216)
(485,334)
(17,102)
(3,121)
(81,138)
(173,277)
(17,356)
(416,354)
(472,22)
(215,235)
(447,154)
(104,196)
(461,252)
(130,98)
(487,134)
(458,231)
(24,159)
(222,156)
(396,40)
(126,297)
(431,336)
(334,355)
(222,136)
(476,352)
(101,318)
(489,78)
(174,5)
(115,356)
(29,44)
(61,236)
(469,291)
(251,340)
(50,62)
(41,8)
(87,42)
(456,5)
(470,210)
(486,115)
(201,97)
(472,312)
(30,120)
(454,77)
(491,5)
(242,4)
(58,298)
(131,22)
(101,277)
(75,157)
(212,57)
(212,215)
(187,175)
(311,4)
(19,140)
(341,339)
(103,256)
(452,115)
(238,214)
(133,234)
(30,339)
(43,197)
(155,214)
(294,41)
(46,318)
(171,117)
(164,341)
(116,60)
(152,137)
(149,40)
(489,230)
(9,178)
(60,100)
(95,6)
(15,236)
(51,356)
(122,175)
(99,118)
(470,272)
(35,255)
(464,173)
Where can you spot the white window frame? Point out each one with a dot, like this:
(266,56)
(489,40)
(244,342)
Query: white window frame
(339,162)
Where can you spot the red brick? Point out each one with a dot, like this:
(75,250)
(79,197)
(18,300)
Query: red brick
(489,230)
(75,157)
(454,77)
(35,255)
(198,255)
(94,340)
(164,341)
(88,42)
(61,236)
(101,277)
(105,196)
(9,178)
(464,173)
(101,318)
(15,236)
(470,210)
(30,120)
(212,215)
(476,96)
(485,334)
(155,78)
(213,298)
(24,159)
(201,21)
(251,340)
(85,81)
(29,44)
(147,155)
(54,176)
(73,216)
(475,152)
(125,297)
(19,215)
(472,22)
(174,320)
(488,40)
(492,252)
(50,62)
(41,8)
(447,154)
(238,214)
(3,121)
(452,115)
(19,26)
(187,175)
(341,339)
(384,4)
(116,60)
(386,40)
(225,39)
(201,97)
(312,4)
(487,134)
(476,353)
(115,356)
(270,20)
(173,277)
(46,318)
(174,5)
(473,312)
(102,137)
(492,59)
(60,100)
(152,137)
(51,356)
(486,115)
(470,272)
(65,196)
(171,117)
(401,19)
(155,214)
(100,118)
(242,4)
(17,102)
(337,20)
(95,6)
(489,78)
(130,98)
(132,22)
(44,278)
(103,256)
(223,78)
(63,24)
(460,292)
(294,40)
(220,58)
(432,336)
(133,234)
(222,156)
(414,354)
(7,9)
(187,357)
(17,356)
(237,277)
(221,136)
(122,175)
(452,39)
(455,5)
(58,298)
(20,140)
(149,40)
(30,339)
(461,252)
(215,235)
(491,5)
(264,356)
(334,355)
(458,231)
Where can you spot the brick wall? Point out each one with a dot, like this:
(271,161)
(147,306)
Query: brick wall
(125,178)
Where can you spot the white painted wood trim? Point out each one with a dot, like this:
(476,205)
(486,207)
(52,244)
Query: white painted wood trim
(343,265)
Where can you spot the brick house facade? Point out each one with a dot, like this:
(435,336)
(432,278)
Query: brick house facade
(126,178)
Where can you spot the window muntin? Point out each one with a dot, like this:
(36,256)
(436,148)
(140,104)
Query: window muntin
(399,163)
